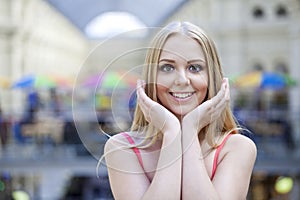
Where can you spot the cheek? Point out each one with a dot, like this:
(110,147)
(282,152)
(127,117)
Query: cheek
(162,93)
(161,90)
(201,85)
(164,81)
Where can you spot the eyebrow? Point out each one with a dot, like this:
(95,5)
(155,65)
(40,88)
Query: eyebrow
(167,60)
(190,61)
(196,60)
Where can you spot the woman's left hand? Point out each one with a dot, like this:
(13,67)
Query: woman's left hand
(155,113)
(209,110)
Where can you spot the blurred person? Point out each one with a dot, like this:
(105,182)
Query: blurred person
(3,130)
(32,107)
(29,117)
(184,141)
(55,104)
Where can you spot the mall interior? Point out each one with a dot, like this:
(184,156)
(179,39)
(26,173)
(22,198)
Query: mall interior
(68,70)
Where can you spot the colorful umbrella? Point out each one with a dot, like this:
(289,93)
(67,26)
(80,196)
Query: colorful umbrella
(111,80)
(264,80)
(34,81)
(62,81)
(40,81)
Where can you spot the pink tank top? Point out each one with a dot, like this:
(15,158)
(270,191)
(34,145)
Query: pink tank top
(215,163)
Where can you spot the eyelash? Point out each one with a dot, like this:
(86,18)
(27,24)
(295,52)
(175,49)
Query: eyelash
(169,67)
(197,67)
(165,66)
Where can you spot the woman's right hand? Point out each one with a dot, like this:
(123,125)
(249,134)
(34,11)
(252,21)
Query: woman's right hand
(209,110)
(155,113)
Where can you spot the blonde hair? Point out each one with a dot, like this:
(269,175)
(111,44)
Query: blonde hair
(215,131)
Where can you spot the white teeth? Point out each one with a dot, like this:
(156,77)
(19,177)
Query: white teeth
(181,95)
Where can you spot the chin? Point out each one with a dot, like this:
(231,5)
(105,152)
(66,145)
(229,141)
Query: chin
(181,113)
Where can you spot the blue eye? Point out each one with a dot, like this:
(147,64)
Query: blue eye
(194,68)
(166,68)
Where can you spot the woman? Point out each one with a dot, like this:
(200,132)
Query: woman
(184,142)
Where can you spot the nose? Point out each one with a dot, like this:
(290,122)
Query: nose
(182,78)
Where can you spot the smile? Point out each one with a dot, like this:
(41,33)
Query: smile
(182,95)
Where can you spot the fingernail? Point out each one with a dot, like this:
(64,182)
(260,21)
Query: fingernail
(140,81)
(225,81)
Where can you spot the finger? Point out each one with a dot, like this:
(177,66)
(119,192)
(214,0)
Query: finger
(226,97)
(222,98)
(141,90)
(221,105)
(220,95)
(227,91)
(140,97)
(144,101)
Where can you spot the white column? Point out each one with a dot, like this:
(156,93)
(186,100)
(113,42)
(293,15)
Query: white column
(16,46)
(294,95)
(5,54)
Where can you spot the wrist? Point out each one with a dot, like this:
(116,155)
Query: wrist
(174,130)
(189,132)
(170,136)
(171,126)
(188,124)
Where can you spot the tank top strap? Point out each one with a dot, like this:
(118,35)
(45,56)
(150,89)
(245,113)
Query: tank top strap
(215,163)
(135,149)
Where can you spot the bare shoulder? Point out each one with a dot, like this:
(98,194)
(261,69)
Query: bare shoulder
(119,154)
(238,140)
(242,145)
(116,141)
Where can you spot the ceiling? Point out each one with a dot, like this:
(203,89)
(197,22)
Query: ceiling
(151,12)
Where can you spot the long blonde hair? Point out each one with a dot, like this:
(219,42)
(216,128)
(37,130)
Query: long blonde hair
(215,131)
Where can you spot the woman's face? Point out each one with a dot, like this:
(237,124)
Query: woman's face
(182,76)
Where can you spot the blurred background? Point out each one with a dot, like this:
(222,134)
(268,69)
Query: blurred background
(68,70)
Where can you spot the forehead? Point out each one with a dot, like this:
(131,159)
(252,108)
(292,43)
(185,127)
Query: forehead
(182,46)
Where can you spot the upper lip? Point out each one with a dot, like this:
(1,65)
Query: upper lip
(181,92)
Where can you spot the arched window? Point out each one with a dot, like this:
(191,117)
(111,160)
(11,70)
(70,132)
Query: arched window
(258,67)
(281,11)
(112,23)
(258,12)
(281,68)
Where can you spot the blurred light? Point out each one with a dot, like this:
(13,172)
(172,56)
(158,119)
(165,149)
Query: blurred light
(113,23)
(284,185)
(20,195)
(2,186)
